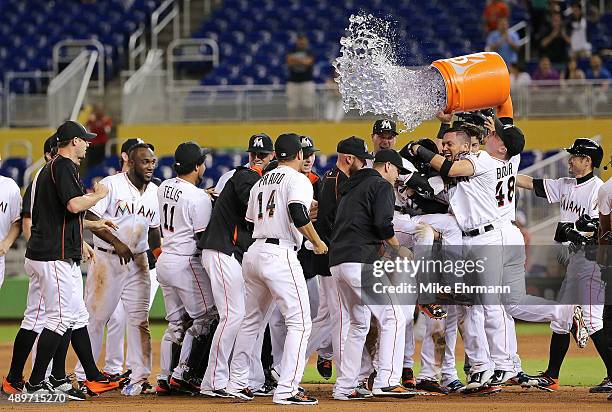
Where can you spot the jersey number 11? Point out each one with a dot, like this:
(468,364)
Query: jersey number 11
(168,224)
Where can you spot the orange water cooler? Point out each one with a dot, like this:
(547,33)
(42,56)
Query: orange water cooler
(476,81)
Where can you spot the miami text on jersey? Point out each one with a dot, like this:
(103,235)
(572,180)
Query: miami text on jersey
(122,207)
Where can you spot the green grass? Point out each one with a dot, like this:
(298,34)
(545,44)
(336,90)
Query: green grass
(583,371)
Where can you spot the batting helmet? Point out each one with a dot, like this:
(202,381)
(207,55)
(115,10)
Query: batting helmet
(587,147)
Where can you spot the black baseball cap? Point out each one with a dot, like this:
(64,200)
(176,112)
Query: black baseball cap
(260,143)
(355,146)
(129,143)
(287,145)
(50,144)
(308,146)
(587,147)
(189,153)
(512,136)
(71,129)
(393,157)
(384,125)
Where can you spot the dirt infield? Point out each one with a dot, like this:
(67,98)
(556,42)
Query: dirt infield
(512,399)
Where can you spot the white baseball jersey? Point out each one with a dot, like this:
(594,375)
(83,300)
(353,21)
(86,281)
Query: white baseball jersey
(471,199)
(269,201)
(505,189)
(133,212)
(10,205)
(224,178)
(573,198)
(604,198)
(184,211)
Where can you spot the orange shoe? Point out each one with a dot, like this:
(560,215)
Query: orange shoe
(102,386)
(9,388)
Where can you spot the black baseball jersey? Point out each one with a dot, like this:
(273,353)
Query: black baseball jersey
(227,231)
(26,203)
(57,234)
(305,256)
(329,196)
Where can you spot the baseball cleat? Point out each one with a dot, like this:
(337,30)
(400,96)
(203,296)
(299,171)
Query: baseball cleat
(245,394)
(394,391)
(65,386)
(433,310)
(163,388)
(432,387)
(543,382)
(10,388)
(501,377)
(579,330)
(122,378)
(299,399)
(521,379)
(604,387)
(485,390)
(183,386)
(216,393)
(43,388)
(324,367)
(358,394)
(101,386)
(479,379)
(266,390)
(455,386)
(138,388)
(408,381)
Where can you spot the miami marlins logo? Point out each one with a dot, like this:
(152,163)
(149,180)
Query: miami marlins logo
(306,142)
(385,124)
(258,142)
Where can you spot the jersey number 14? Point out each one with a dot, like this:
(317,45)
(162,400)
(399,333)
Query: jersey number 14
(270,205)
(499,191)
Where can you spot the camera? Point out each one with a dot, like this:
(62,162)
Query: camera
(476,118)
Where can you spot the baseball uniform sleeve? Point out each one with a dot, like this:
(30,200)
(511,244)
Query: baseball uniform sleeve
(25,206)
(200,211)
(553,189)
(604,200)
(482,162)
(66,180)
(251,213)
(15,204)
(99,208)
(300,190)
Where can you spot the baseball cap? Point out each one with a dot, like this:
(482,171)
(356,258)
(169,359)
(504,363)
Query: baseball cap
(50,143)
(587,147)
(287,145)
(355,146)
(512,136)
(384,125)
(393,157)
(71,129)
(260,143)
(308,146)
(129,143)
(189,153)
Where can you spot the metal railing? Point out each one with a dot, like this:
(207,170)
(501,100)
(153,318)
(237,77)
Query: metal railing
(65,52)
(26,109)
(189,51)
(526,40)
(167,12)
(137,48)
(143,98)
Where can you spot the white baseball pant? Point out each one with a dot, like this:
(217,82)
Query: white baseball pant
(228,290)
(108,282)
(392,324)
(186,288)
(2,270)
(432,350)
(272,273)
(115,333)
(34,317)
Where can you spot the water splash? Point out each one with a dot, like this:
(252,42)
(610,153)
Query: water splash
(371,81)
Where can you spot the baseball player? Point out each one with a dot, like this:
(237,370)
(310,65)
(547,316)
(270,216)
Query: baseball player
(116,326)
(332,317)
(54,249)
(121,269)
(185,211)
(10,220)
(604,201)
(261,152)
(363,223)
(278,208)
(223,245)
(576,195)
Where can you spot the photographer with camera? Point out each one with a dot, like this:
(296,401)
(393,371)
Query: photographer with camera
(577,195)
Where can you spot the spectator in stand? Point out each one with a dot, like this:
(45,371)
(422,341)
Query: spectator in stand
(518,77)
(101,124)
(556,42)
(545,71)
(300,84)
(502,41)
(578,32)
(572,71)
(572,89)
(495,10)
(598,72)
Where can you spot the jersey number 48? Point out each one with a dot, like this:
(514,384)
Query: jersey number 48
(499,191)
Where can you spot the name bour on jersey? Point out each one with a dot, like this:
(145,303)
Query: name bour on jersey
(505,170)
(122,207)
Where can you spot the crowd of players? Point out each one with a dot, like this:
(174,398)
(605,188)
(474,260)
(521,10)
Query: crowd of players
(270,266)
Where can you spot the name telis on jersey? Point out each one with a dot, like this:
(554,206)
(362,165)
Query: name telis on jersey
(172,193)
(271,179)
(122,207)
